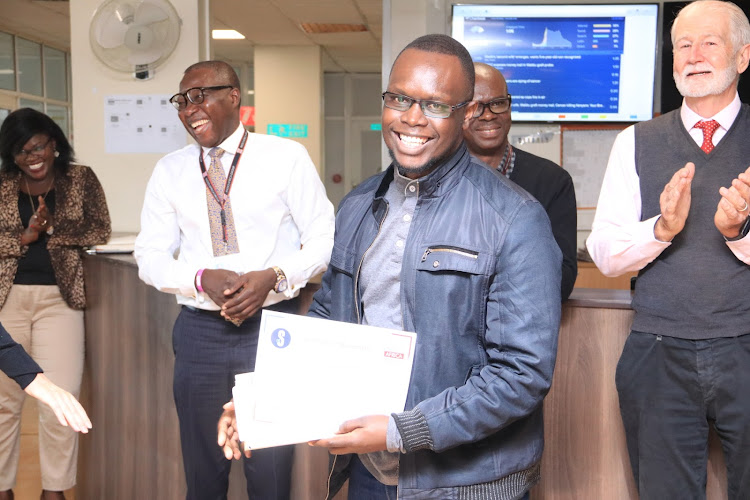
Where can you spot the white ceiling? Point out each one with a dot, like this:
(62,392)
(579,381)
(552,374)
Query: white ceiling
(263,22)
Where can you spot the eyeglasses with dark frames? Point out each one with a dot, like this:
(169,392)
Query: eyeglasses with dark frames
(496,106)
(432,109)
(37,150)
(194,95)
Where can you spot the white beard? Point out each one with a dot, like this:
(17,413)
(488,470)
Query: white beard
(716,84)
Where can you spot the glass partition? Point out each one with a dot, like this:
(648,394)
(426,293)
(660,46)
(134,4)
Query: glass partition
(29,67)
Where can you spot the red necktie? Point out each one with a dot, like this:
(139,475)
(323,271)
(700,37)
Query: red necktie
(709,127)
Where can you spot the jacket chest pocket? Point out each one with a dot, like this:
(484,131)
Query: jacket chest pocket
(448,258)
(452,281)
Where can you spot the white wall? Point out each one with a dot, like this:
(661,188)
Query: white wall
(123,176)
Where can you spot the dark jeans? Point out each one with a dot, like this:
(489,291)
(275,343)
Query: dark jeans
(364,486)
(670,391)
(208,353)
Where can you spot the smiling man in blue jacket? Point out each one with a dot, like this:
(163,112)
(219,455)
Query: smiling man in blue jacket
(440,245)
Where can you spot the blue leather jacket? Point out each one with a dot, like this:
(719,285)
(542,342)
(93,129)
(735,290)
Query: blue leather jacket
(480,284)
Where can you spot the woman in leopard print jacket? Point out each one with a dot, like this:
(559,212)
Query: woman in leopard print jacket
(50,209)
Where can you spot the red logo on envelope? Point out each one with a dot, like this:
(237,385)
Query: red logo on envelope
(394,355)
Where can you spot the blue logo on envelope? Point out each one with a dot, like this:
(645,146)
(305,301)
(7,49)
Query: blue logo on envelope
(281,338)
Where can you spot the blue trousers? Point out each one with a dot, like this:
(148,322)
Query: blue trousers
(364,486)
(209,351)
(671,390)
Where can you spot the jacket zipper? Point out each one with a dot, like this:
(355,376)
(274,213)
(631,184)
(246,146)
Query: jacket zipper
(359,268)
(463,253)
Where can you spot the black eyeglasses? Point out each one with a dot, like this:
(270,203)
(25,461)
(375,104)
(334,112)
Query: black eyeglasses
(433,109)
(37,150)
(496,106)
(195,95)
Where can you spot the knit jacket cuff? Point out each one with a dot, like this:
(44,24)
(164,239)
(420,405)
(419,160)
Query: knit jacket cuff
(415,434)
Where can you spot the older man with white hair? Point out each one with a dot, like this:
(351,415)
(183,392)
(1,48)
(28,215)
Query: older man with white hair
(674,206)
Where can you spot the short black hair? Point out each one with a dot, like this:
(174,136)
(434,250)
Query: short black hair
(23,124)
(444,44)
(221,68)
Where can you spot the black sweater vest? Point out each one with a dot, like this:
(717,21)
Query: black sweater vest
(696,288)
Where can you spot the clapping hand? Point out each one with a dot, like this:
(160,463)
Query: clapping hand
(40,222)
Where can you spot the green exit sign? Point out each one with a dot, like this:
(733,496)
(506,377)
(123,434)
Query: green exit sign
(287,129)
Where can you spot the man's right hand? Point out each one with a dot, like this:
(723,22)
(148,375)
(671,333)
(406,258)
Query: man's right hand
(675,204)
(215,281)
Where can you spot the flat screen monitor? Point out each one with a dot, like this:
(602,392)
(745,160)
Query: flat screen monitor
(567,63)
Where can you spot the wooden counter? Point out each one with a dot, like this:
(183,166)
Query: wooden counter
(589,276)
(585,455)
(133,450)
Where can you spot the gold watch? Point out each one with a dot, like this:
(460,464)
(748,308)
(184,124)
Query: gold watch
(281,283)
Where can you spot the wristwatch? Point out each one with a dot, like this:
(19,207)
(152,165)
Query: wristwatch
(743,231)
(281,283)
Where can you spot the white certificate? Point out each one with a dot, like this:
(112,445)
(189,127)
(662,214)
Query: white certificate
(311,375)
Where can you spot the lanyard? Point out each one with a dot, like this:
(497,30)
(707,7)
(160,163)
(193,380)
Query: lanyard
(506,164)
(227,183)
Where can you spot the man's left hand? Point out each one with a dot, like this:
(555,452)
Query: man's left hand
(228,438)
(733,208)
(361,435)
(247,294)
(65,406)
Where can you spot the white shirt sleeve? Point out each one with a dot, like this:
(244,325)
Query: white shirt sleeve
(620,242)
(741,249)
(159,240)
(313,216)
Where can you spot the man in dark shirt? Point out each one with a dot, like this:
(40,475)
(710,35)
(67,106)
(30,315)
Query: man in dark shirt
(487,138)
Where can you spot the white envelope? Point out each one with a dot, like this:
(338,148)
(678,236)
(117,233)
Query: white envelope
(311,375)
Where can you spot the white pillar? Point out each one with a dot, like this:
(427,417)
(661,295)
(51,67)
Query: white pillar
(124,176)
(289,90)
(403,22)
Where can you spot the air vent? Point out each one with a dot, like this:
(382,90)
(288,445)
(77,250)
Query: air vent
(318,28)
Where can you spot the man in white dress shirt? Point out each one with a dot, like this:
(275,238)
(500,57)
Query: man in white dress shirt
(674,206)
(236,223)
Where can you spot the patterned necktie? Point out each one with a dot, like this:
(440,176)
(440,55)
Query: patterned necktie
(709,127)
(221,246)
